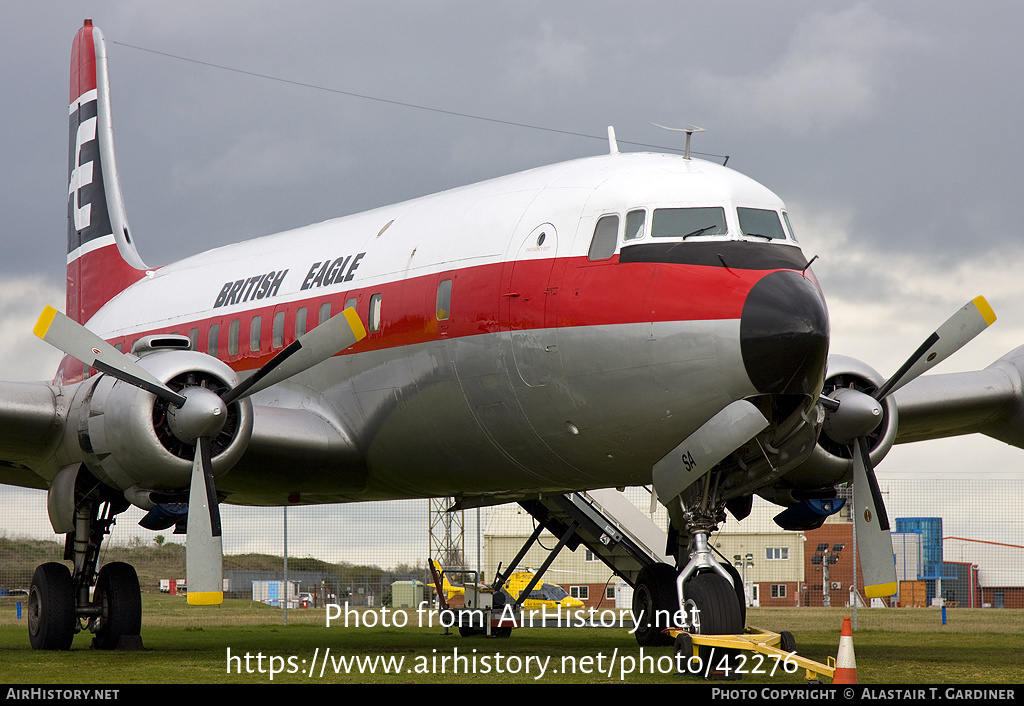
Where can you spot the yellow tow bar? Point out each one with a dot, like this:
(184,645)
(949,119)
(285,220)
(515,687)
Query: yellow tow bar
(778,652)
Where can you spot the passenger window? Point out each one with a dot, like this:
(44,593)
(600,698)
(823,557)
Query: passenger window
(211,339)
(278,329)
(635,224)
(255,333)
(119,346)
(688,222)
(193,336)
(375,312)
(325,312)
(233,337)
(350,303)
(300,321)
(606,232)
(444,299)
(760,223)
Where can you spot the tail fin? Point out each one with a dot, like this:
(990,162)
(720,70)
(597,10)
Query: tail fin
(102,259)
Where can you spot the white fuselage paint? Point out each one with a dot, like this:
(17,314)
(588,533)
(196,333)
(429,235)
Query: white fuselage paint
(554,406)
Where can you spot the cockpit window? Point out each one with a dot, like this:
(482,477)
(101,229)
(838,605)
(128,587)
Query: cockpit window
(688,222)
(635,224)
(789,226)
(606,232)
(761,223)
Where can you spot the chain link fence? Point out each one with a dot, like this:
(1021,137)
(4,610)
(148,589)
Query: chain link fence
(375,554)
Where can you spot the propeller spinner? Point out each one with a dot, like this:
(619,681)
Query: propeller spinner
(851,415)
(196,415)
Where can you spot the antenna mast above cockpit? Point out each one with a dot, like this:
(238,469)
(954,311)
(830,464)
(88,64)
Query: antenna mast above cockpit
(689,133)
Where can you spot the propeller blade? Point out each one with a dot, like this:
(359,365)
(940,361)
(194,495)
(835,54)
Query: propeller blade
(79,342)
(958,330)
(204,554)
(874,545)
(332,336)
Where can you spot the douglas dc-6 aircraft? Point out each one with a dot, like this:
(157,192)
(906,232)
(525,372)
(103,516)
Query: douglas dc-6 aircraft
(625,319)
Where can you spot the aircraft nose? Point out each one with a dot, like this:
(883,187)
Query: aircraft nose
(784,334)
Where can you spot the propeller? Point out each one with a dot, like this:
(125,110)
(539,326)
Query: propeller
(195,415)
(851,415)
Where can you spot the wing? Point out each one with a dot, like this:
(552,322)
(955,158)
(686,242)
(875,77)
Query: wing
(985,401)
(32,421)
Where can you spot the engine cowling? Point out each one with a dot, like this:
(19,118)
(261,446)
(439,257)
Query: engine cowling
(127,435)
(831,461)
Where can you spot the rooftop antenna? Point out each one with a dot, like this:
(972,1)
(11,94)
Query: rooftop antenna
(689,133)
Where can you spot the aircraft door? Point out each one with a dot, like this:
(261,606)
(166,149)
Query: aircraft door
(532,305)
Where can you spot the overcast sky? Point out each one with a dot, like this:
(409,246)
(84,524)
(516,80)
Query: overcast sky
(891,130)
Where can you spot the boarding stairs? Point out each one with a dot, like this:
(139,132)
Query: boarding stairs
(604,521)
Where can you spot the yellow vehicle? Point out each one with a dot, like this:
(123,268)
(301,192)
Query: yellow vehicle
(544,594)
(447,586)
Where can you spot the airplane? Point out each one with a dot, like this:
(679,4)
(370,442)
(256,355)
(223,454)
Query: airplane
(618,320)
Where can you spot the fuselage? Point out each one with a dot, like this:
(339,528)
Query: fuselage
(555,329)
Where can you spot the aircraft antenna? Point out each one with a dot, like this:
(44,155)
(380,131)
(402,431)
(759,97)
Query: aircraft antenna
(689,133)
(613,145)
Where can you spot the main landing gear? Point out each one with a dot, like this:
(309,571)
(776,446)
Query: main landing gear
(59,600)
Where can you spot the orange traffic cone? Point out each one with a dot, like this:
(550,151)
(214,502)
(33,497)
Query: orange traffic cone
(846,663)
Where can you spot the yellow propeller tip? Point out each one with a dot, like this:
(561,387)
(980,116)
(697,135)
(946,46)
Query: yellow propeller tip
(985,310)
(879,590)
(358,330)
(45,320)
(205,598)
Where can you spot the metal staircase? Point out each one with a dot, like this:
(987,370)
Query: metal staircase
(604,521)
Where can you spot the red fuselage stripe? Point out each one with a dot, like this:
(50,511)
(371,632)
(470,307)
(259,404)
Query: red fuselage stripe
(521,295)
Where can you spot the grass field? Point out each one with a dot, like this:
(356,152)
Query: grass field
(186,645)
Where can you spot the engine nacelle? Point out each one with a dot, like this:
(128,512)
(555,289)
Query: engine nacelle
(124,431)
(831,462)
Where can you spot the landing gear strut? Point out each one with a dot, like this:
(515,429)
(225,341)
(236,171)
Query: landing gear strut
(698,595)
(59,600)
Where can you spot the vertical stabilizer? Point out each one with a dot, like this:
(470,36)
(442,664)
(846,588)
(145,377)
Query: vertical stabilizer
(102,259)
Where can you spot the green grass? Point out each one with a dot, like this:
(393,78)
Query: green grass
(189,645)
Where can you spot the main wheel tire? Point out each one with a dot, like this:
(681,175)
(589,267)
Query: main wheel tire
(737,584)
(119,599)
(654,597)
(718,611)
(51,608)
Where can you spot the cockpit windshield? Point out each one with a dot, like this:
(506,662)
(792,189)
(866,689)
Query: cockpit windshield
(688,222)
(760,223)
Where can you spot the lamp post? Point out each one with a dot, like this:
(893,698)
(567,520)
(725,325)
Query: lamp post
(742,562)
(823,556)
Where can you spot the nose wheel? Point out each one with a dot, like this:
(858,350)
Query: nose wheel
(714,609)
(712,605)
